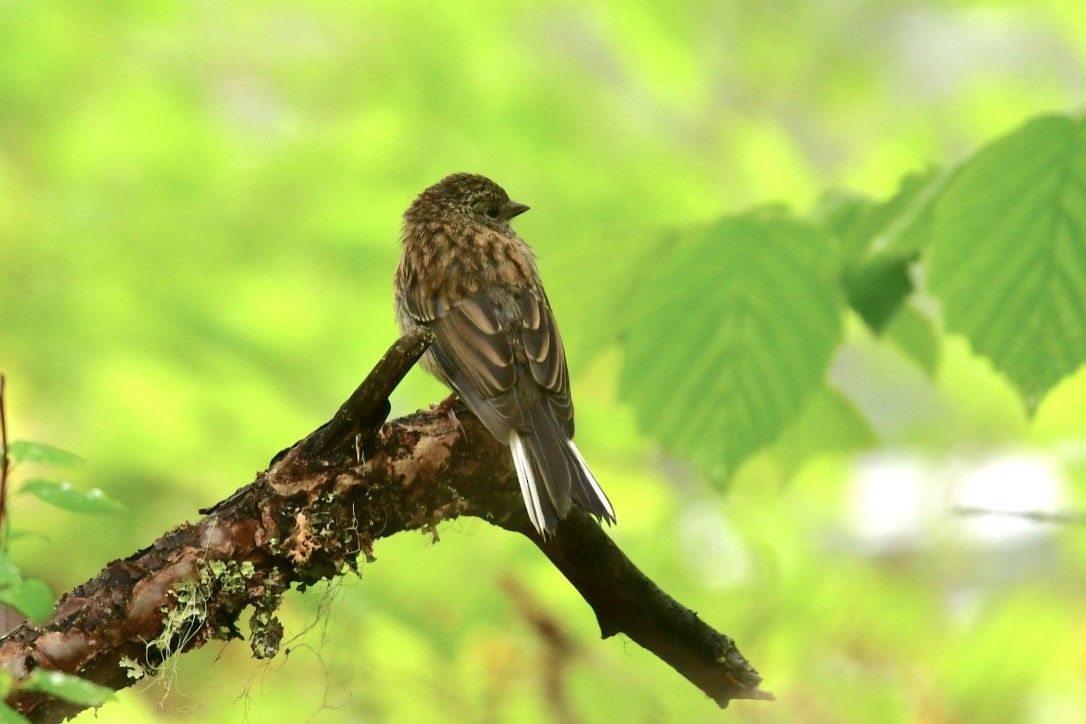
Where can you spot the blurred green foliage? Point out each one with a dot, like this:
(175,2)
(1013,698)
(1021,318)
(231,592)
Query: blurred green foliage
(199,206)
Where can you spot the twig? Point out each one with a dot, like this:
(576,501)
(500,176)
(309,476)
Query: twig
(1070,517)
(558,653)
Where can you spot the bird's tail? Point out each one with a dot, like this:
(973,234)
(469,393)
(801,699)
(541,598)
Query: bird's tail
(553,475)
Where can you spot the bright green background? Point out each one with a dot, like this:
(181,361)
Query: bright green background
(199,206)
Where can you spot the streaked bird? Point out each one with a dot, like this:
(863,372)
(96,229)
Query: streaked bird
(466,275)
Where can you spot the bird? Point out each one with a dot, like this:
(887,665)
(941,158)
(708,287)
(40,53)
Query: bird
(465,274)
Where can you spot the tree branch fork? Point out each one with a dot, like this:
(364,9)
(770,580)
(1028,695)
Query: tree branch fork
(320,505)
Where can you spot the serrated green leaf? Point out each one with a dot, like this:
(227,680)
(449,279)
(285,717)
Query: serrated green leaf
(729,336)
(27,451)
(67,687)
(30,597)
(913,333)
(829,423)
(63,495)
(10,716)
(1008,256)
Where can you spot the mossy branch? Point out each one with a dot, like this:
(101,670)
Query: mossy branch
(321,504)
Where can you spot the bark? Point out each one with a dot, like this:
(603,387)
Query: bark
(319,506)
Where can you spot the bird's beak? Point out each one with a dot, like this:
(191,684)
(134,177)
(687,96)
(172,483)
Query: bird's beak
(516,209)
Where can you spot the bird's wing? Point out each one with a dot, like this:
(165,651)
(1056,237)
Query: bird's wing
(546,355)
(474,352)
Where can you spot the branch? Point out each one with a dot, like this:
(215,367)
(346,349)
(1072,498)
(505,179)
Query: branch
(321,504)
(1055,517)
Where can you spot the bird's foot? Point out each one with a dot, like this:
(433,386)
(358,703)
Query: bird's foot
(446,405)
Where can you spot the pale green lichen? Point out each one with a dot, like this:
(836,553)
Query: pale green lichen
(182,622)
(230,577)
(134,669)
(265,630)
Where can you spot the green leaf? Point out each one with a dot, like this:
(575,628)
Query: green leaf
(15,534)
(898,227)
(842,213)
(902,226)
(30,597)
(10,716)
(67,687)
(879,241)
(730,334)
(829,423)
(63,495)
(6,683)
(26,451)
(1008,257)
(9,572)
(877,288)
(913,333)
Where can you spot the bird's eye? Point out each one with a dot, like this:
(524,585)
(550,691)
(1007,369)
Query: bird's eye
(493,212)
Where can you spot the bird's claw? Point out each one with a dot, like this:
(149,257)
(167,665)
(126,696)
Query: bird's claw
(446,405)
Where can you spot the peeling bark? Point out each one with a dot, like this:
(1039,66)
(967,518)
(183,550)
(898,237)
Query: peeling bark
(321,504)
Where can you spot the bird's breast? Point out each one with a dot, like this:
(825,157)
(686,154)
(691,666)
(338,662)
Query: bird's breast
(458,262)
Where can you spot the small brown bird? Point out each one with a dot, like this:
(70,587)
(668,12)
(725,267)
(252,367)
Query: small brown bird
(466,275)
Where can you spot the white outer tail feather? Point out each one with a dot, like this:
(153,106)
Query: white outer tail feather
(529,487)
(591,479)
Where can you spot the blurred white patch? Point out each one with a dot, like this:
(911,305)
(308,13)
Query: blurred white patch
(989,495)
(712,549)
(897,502)
(890,502)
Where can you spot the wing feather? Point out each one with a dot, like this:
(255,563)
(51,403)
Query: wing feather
(474,350)
(545,353)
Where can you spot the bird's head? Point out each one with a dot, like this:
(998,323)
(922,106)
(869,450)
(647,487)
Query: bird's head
(466,197)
